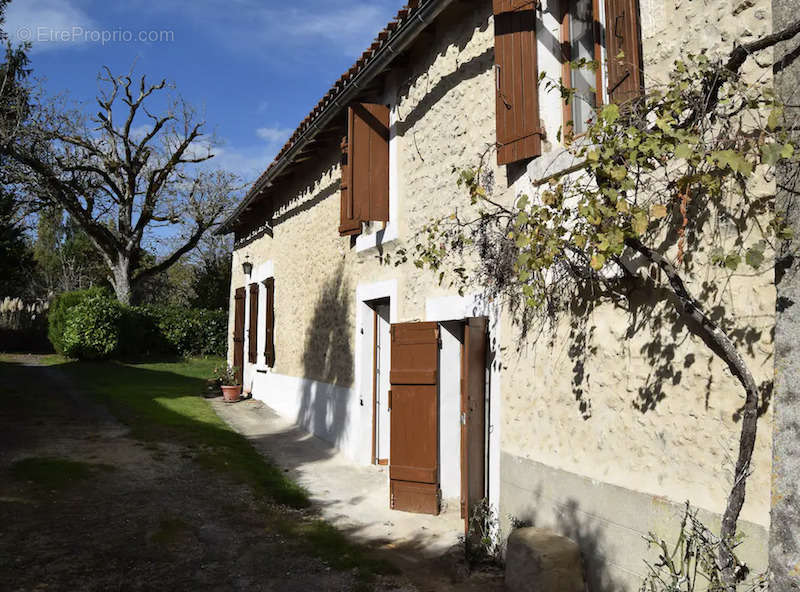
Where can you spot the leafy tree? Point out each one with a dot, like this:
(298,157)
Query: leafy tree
(65,257)
(212,282)
(16,259)
(664,185)
(122,174)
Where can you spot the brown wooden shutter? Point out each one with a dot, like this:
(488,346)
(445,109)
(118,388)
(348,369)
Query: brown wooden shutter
(252,342)
(238,333)
(473,409)
(350,220)
(622,50)
(517,81)
(369,149)
(269,346)
(414,450)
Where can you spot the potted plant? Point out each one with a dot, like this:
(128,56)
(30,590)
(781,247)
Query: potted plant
(227,377)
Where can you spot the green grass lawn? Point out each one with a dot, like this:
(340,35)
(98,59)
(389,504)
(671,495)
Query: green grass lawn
(163,402)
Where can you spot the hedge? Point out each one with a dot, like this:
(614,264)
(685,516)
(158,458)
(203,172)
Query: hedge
(93,328)
(185,331)
(57,316)
(97,326)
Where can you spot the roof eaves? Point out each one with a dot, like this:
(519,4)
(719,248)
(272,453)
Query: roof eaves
(394,38)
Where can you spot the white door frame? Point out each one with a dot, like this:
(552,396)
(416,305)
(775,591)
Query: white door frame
(364,363)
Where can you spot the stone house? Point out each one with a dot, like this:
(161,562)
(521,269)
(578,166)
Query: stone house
(392,368)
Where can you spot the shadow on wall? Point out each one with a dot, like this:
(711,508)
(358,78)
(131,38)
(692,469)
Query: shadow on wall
(576,525)
(328,359)
(457,33)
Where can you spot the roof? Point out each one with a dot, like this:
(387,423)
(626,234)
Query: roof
(388,44)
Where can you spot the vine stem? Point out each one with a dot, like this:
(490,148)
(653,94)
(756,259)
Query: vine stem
(726,350)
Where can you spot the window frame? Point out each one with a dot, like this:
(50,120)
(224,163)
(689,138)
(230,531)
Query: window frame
(566,59)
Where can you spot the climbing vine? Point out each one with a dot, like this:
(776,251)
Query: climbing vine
(677,179)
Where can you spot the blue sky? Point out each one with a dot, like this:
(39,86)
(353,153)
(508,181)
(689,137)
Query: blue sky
(254,67)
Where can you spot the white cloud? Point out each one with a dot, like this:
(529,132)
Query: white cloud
(345,27)
(274,134)
(49,24)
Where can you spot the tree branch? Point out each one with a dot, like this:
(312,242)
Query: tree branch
(726,350)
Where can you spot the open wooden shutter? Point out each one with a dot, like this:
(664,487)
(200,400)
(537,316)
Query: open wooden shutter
(414,450)
(365,167)
(622,50)
(269,346)
(350,220)
(252,341)
(238,333)
(473,413)
(517,81)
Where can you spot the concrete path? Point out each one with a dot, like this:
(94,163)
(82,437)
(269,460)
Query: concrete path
(354,498)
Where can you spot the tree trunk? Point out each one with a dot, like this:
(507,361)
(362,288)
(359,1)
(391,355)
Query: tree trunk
(726,350)
(784,532)
(122,279)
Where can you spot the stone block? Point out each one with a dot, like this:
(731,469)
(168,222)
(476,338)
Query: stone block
(539,560)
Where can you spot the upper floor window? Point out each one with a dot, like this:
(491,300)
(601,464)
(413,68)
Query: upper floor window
(365,168)
(587,27)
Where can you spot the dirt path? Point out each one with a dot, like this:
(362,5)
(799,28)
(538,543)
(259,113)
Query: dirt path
(127,515)
(85,506)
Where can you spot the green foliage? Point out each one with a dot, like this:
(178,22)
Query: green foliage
(691,564)
(160,402)
(185,331)
(93,328)
(212,281)
(92,324)
(227,375)
(65,257)
(16,260)
(57,317)
(664,167)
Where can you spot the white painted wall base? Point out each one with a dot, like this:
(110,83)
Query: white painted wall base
(332,413)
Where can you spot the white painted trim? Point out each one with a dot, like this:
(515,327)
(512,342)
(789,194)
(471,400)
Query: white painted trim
(376,291)
(363,388)
(385,235)
(456,308)
(263,271)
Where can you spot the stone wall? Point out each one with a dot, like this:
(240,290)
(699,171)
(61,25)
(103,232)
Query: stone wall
(622,411)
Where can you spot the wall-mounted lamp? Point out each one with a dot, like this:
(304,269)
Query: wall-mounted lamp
(247,267)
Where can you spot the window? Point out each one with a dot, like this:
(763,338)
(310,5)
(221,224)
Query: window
(365,168)
(581,38)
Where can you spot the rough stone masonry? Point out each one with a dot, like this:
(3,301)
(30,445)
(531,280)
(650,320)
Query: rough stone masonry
(784,536)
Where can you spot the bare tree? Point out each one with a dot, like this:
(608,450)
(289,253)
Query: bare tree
(124,173)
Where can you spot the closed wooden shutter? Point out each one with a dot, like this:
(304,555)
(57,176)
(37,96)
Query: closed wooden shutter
(238,333)
(269,346)
(413,400)
(622,50)
(365,167)
(473,409)
(517,81)
(252,341)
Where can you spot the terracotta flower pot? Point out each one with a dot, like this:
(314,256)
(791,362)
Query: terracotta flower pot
(231,394)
